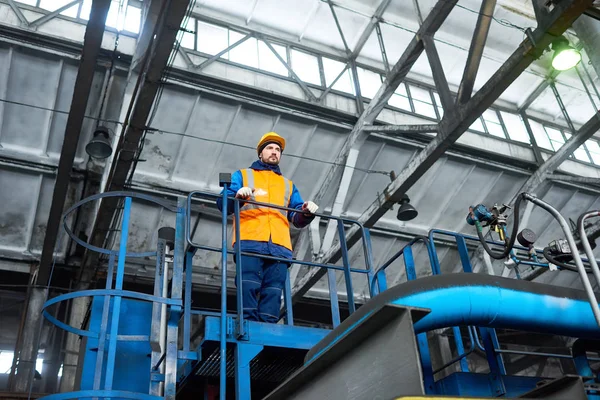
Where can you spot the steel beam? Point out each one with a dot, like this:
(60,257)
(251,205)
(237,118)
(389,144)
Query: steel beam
(156,58)
(357,136)
(588,33)
(214,58)
(18,12)
(452,126)
(439,77)
(299,81)
(437,70)
(537,153)
(30,340)
(83,84)
(575,179)
(42,20)
(480,35)
(579,138)
(369,29)
(539,90)
(399,129)
(415,48)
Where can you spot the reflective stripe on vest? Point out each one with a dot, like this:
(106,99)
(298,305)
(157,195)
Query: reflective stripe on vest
(248,180)
(261,223)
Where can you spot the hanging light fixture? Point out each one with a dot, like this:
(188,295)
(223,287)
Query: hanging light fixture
(565,56)
(406,212)
(99,146)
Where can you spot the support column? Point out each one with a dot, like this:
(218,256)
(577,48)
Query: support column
(79,306)
(29,344)
(588,31)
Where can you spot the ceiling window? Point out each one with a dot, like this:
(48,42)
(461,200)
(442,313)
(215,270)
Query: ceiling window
(370,82)
(245,53)
(422,101)
(133,19)
(438,103)
(540,135)
(400,98)
(594,149)
(188,40)
(580,153)
(212,39)
(477,125)
(268,61)
(556,137)
(492,123)
(53,5)
(306,66)
(515,127)
(332,69)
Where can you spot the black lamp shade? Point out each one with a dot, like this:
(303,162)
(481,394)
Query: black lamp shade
(406,212)
(99,146)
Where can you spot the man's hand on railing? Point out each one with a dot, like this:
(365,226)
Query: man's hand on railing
(309,207)
(244,193)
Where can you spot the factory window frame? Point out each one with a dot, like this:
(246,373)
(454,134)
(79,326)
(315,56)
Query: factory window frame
(306,67)
(593,148)
(422,101)
(492,123)
(581,153)
(556,137)
(400,98)
(245,53)
(268,61)
(189,37)
(211,39)
(331,70)
(515,127)
(369,81)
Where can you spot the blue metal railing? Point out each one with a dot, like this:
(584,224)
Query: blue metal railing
(224,250)
(493,346)
(108,336)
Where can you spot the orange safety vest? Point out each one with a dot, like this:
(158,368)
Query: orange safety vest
(260,223)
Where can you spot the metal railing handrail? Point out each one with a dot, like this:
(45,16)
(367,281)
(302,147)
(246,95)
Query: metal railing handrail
(382,268)
(240,328)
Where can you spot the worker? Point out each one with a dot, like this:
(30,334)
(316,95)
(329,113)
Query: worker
(265,230)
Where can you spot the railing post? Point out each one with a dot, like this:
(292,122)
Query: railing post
(346,262)
(238,270)
(116,311)
(409,263)
(368,253)
(287,298)
(224,181)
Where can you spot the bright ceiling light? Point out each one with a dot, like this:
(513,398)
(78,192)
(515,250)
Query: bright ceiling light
(565,57)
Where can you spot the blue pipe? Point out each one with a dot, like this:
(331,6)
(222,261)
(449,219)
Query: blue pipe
(498,307)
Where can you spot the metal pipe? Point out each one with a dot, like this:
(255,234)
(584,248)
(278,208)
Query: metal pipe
(576,257)
(586,243)
(223,333)
(163,316)
(238,269)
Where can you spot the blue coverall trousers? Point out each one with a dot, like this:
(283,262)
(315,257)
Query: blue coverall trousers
(263,282)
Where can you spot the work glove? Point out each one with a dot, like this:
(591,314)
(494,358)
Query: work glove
(244,193)
(309,207)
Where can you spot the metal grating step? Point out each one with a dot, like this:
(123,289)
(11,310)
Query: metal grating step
(272,365)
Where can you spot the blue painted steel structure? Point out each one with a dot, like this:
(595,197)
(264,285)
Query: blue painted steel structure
(230,345)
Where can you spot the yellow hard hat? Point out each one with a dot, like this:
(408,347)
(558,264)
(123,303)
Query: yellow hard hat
(270,137)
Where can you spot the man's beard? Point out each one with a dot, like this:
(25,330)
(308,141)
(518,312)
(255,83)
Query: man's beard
(271,161)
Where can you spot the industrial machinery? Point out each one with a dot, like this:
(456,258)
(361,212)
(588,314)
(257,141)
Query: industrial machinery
(156,346)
